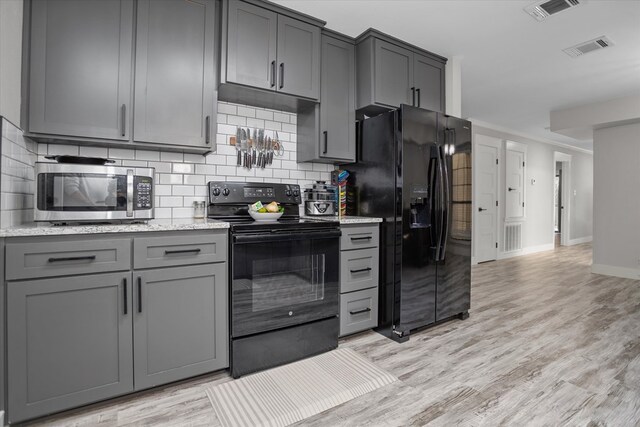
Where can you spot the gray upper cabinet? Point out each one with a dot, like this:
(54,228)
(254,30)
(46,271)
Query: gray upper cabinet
(69,342)
(175,72)
(326,132)
(392,72)
(180,323)
(298,58)
(428,77)
(269,50)
(80,68)
(251,45)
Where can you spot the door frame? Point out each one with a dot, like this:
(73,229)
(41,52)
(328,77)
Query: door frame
(565,184)
(496,143)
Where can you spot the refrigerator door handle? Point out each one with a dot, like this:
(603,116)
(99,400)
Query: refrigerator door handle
(441,208)
(447,205)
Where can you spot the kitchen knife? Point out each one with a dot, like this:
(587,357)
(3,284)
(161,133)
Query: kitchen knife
(244,148)
(238,146)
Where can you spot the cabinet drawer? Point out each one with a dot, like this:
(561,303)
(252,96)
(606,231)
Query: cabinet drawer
(65,258)
(168,251)
(358,269)
(359,237)
(358,311)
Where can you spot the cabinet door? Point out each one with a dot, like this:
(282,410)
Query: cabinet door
(69,342)
(80,81)
(251,45)
(337,102)
(428,76)
(174,77)
(393,74)
(180,323)
(298,58)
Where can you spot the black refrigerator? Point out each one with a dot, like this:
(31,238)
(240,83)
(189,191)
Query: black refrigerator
(414,171)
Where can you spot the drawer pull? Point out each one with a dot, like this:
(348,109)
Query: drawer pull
(183,251)
(125,296)
(361,238)
(74,258)
(139,294)
(364,310)
(362,270)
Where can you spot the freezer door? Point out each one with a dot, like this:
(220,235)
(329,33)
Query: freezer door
(453,290)
(417,178)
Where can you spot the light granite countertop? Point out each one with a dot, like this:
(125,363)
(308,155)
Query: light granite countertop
(153,226)
(346,220)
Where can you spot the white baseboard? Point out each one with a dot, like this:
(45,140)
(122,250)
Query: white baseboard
(612,270)
(527,251)
(580,240)
(2,418)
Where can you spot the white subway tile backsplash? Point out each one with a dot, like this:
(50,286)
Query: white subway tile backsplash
(225,108)
(62,150)
(171,179)
(183,190)
(120,153)
(182,178)
(150,156)
(246,111)
(168,156)
(183,168)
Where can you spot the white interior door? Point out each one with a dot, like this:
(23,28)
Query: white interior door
(514,195)
(486,223)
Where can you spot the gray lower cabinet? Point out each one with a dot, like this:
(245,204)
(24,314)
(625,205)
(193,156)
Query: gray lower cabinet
(175,86)
(180,323)
(268,50)
(326,132)
(69,342)
(359,277)
(75,338)
(392,72)
(80,68)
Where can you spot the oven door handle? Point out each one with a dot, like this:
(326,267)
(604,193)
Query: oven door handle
(286,237)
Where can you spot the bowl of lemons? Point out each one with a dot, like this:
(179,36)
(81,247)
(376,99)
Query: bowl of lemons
(270,212)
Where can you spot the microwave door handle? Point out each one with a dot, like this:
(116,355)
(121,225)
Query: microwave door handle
(129,192)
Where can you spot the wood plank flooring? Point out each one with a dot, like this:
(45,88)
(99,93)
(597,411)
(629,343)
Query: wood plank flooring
(547,343)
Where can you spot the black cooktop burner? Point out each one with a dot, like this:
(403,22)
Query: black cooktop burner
(248,225)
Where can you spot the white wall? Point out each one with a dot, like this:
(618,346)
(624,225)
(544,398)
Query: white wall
(10,59)
(616,238)
(537,231)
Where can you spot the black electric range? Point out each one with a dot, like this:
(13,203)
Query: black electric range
(284,277)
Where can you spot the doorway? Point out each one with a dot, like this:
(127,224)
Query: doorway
(561,199)
(486,156)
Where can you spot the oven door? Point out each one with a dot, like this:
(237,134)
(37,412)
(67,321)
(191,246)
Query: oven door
(284,278)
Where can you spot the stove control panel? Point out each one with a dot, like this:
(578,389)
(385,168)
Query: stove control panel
(226,192)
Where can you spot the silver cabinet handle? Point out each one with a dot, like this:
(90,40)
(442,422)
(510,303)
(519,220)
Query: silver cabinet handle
(273,74)
(123,119)
(129,192)
(281,75)
(207,130)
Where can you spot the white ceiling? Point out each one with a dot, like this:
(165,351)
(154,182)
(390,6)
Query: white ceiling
(513,69)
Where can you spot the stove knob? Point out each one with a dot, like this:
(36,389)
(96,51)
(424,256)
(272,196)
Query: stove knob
(288,193)
(225,192)
(216,191)
(295,193)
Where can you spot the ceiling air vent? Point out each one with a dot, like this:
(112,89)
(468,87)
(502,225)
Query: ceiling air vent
(541,10)
(586,47)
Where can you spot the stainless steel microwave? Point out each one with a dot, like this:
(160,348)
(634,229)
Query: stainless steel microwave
(70,193)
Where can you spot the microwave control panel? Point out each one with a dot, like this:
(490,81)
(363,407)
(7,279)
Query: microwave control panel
(143,192)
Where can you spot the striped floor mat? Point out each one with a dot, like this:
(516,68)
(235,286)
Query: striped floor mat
(291,393)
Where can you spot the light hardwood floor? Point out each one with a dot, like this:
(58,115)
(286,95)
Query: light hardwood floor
(547,343)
